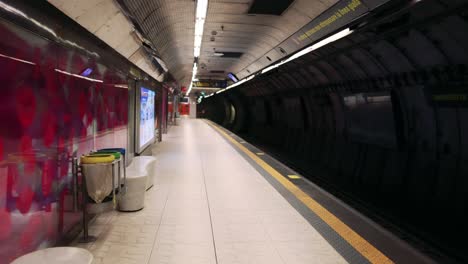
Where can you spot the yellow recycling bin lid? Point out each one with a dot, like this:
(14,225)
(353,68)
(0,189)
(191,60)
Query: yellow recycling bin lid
(95,159)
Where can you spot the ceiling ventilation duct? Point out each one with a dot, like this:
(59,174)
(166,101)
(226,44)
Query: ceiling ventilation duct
(268,7)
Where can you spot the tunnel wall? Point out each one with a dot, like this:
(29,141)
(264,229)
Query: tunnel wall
(380,116)
(48,115)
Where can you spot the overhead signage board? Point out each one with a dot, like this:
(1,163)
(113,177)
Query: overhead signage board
(210,84)
(334,18)
(449,95)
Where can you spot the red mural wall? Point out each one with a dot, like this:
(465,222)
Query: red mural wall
(49,112)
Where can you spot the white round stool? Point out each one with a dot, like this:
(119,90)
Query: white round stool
(57,255)
(133,199)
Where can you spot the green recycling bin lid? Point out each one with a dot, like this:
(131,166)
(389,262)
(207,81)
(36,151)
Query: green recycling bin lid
(121,150)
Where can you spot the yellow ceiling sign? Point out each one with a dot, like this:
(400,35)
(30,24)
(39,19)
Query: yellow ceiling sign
(339,14)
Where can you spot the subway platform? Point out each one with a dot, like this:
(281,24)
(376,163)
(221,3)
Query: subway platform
(216,199)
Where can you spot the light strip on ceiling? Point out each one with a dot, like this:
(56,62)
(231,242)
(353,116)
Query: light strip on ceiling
(206,88)
(79,76)
(309,49)
(200,17)
(17,59)
(237,84)
(18,12)
(299,54)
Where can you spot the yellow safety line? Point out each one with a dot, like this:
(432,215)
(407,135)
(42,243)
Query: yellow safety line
(354,239)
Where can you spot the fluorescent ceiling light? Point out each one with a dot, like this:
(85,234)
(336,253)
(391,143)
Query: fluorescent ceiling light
(206,88)
(17,59)
(196,52)
(200,17)
(236,84)
(320,44)
(198,28)
(194,73)
(269,68)
(333,38)
(202,7)
(301,53)
(307,50)
(198,41)
(190,89)
(79,76)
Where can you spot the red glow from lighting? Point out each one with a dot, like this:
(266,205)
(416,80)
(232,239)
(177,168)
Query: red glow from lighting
(25,105)
(26,144)
(82,104)
(47,178)
(32,231)
(51,85)
(83,132)
(5,225)
(67,118)
(64,169)
(60,144)
(25,199)
(1,149)
(29,159)
(44,110)
(50,129)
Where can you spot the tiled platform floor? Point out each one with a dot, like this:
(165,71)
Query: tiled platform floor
(209,205)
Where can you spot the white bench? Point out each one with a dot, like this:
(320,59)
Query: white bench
(133,197)
(140,177)
(147,163)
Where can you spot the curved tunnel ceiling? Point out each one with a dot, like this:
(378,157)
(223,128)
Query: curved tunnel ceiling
(170,26)
(106,20)
(229,28)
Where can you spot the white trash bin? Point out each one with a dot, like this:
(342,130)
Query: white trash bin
(97,170)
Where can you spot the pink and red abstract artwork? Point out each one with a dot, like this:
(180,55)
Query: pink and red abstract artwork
(48,114)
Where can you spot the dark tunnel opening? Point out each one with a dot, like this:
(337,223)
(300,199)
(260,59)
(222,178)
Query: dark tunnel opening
(378,118)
